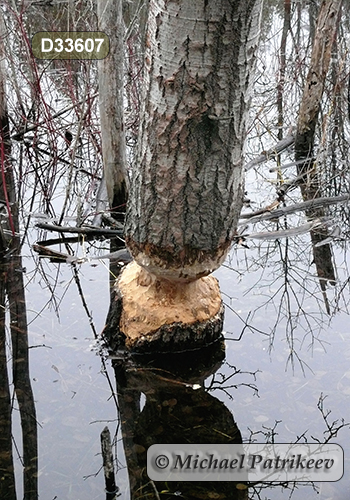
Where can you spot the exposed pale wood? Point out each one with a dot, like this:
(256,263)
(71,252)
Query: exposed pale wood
(150,305)
(163,315)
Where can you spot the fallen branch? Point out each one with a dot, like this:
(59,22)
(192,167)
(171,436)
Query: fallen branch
(122,255)
(53,255)
(286,233)
(108,233)
(271,153)
(306,205)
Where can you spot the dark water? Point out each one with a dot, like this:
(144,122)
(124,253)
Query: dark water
(290,353)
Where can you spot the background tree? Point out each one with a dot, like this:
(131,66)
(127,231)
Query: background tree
(111,102)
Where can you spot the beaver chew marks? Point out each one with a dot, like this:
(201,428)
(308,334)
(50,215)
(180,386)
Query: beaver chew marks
(150,304)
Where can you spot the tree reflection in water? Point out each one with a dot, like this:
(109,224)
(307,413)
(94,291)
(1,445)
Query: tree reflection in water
(14,347)
(177,410)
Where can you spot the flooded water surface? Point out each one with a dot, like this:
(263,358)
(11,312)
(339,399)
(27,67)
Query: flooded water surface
(282,374)
(81,415)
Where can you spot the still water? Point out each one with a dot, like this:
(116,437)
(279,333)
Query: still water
(286,361)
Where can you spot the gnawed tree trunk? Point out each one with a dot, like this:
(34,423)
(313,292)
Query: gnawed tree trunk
(111,87)
(187,182)
(163,315)
(325,34)
(186,188)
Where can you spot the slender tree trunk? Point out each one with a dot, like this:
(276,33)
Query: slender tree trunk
(283,62)
(324,37)
(111,86)
(326,30)
(14,286)
(7,477)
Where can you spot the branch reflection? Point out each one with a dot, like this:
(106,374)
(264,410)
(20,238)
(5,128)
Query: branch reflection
(177,409)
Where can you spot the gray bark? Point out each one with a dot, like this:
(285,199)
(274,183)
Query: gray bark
(326,30)
(325,34)
(111,103)
(186,192)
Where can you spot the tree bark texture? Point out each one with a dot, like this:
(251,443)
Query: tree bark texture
(186,191)
(326,29)
(325,33)
(111,86)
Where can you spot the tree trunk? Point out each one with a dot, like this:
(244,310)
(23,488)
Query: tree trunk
(186,187)
(14,287)
(326,29)
(7,475)
(111,86)
(324,37)
(186,192)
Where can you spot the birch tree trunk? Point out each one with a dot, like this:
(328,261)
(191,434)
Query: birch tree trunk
(187,182)
(110,72)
